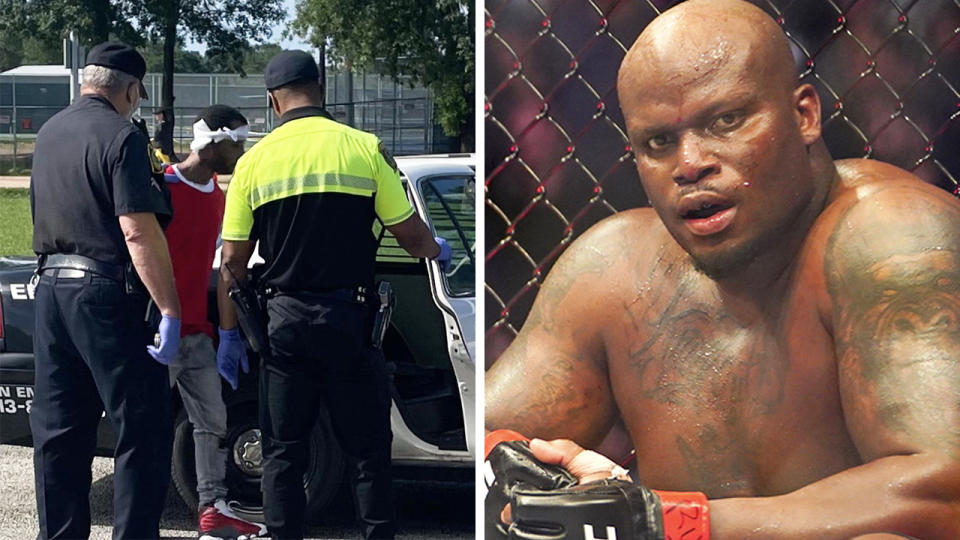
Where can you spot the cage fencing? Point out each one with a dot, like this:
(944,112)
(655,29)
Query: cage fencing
(557,156)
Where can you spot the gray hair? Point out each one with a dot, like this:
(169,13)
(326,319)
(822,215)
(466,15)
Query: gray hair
(104,78)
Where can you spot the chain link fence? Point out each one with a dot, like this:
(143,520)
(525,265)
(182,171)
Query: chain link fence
(558,159)
(400,114)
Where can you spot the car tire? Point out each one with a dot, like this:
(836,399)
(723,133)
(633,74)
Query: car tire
(322,479)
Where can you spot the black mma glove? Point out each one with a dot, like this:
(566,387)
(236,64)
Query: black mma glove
(610,509)
(510,465)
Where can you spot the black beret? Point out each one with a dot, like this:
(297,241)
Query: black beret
(290,66)
(119,56)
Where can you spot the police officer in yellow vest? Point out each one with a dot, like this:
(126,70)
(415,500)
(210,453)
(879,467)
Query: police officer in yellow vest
(309,192)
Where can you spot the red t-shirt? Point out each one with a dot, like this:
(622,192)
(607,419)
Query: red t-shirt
(192,239)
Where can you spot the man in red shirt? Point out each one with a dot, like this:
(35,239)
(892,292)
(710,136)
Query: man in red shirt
(219,134)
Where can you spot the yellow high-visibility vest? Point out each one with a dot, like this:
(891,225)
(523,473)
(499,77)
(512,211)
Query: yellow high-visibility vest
(313,154)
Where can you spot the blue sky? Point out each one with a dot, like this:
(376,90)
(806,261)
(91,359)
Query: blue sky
(289,7)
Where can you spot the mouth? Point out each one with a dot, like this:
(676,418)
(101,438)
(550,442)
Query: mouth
(706,213)
(705,210)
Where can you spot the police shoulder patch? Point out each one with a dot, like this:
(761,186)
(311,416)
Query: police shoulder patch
(388,157)
(156,166)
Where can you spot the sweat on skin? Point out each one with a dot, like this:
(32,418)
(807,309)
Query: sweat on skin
(775,334)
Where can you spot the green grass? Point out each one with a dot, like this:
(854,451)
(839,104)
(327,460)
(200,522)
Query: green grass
(16,227)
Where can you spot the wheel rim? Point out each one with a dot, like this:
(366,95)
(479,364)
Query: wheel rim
(248,453)
(245,469)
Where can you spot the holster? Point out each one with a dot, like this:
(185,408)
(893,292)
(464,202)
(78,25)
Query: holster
(132,284)
(251,315)
(381,318)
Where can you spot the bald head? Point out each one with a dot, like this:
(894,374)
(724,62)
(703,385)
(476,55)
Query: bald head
(699,40)
(712,105)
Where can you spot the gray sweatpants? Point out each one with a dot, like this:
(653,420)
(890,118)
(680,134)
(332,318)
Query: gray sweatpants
(195,371)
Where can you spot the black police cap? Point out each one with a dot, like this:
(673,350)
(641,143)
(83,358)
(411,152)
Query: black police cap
(290,66)
(122,57)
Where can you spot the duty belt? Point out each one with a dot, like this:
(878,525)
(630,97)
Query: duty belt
(81,263)
(357,295)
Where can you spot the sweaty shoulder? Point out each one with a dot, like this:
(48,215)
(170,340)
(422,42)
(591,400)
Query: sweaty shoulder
(633,228)
(880,221)
(603,261)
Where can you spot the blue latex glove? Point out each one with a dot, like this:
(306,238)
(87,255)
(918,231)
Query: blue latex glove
(231,355)
(446,253)
(169,332)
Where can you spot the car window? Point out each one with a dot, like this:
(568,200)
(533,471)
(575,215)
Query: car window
(388,249)
(450,211)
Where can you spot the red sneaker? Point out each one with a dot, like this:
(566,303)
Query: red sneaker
(218,522)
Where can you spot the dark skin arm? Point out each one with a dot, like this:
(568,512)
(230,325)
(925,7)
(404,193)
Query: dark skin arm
(893,272)
(412,235)
(234,255)
(552,381)
(415,238)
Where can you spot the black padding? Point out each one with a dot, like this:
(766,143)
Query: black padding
(608,509)
(514,467)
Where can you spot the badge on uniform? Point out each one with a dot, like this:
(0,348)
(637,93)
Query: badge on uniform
(388,157)
(156,166)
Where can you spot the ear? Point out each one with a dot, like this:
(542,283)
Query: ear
(207,152)
(806,103)
(273,103)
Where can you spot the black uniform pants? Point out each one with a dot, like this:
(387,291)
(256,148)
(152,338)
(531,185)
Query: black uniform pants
(90,353)
(321,356)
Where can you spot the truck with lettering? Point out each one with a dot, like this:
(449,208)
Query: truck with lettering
(430,341)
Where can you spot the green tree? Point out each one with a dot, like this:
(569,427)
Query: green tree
(11,49)
(184,61)
(94,21)
(32,31)
(431,40)
(12,21)
(255,61)
(225,26)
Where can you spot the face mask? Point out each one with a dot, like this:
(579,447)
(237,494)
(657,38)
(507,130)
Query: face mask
(135,104)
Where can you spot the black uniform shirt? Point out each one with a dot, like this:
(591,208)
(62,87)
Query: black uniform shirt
(310,192)
(90,165)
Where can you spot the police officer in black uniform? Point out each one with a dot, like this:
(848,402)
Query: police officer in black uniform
(103,255)
(310,192)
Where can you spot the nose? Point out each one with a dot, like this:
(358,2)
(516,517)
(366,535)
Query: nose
(694,163)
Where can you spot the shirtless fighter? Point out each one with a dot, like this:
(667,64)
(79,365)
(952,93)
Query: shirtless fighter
(779,335)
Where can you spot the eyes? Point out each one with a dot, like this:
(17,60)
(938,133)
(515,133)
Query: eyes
(660,142)
(719,125)
(727,121)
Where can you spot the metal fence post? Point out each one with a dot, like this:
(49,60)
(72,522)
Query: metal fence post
(13,87)
(397,96)
(426,124)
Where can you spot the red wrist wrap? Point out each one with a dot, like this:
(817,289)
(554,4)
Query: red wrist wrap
(686,515)
(496,437)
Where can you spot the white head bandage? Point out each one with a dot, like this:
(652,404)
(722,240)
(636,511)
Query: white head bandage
(203,135)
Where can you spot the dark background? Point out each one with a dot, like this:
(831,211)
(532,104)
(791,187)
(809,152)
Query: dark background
(558,160)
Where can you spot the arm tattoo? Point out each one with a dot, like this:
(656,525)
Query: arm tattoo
(562,279)
(896,292)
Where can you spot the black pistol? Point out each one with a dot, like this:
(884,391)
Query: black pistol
(250,315)
(381,320)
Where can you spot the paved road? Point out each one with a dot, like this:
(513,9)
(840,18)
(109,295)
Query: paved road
(428,510)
